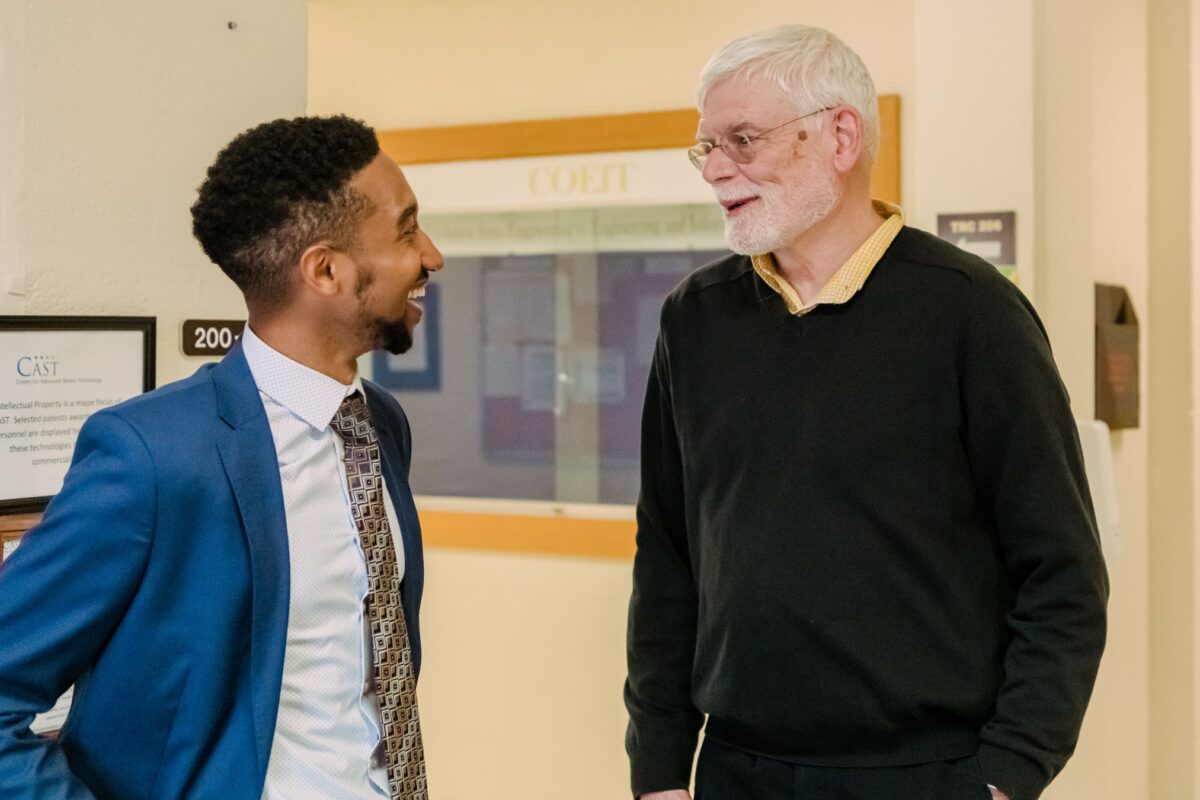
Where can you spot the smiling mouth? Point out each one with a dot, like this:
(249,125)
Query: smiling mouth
(417,292)
(732,206)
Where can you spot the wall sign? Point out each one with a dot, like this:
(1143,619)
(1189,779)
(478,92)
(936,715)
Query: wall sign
(991,235)
(210,337)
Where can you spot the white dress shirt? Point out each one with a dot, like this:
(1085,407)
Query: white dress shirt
(327,742)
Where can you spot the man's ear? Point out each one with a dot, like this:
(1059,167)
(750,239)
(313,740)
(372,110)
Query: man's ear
(849,134)
(321,269)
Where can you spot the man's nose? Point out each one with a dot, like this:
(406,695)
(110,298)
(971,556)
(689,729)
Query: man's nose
(718,166)
(431,257)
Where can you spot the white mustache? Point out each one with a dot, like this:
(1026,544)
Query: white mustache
(725,193)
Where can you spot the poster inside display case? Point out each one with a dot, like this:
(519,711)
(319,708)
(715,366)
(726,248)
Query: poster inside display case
(544,321)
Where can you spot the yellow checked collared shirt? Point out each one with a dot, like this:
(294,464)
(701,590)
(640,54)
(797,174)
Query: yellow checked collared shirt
(850,277)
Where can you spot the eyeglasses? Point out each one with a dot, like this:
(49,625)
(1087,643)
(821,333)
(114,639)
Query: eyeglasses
(741,149)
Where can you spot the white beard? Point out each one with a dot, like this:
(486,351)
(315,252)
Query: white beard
(781,215)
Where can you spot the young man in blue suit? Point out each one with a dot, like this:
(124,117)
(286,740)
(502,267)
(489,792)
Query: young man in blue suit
(236,621)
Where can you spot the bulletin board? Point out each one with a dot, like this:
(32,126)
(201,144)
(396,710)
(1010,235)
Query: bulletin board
(518,413)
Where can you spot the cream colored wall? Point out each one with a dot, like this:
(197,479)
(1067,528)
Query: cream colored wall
(1037,107)
(1192,356)
(109,114)
(1092,206)
(1015,110)
(521,683)
(973,131)
(407,65)
(1172,406)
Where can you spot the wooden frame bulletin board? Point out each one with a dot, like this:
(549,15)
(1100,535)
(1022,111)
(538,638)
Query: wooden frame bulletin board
(548,527)
(651,130)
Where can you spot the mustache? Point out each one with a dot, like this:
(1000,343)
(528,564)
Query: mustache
(735,192)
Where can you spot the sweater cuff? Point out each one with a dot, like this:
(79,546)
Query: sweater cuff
(1015,775)
(660,759)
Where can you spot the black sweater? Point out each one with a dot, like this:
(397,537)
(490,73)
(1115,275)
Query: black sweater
(864,534)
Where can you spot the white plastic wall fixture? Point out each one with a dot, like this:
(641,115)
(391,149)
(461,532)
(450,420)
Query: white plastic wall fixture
(1098,461)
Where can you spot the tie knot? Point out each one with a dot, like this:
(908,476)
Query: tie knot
(353,420)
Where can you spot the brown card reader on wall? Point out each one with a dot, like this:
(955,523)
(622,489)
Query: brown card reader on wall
(1116,357)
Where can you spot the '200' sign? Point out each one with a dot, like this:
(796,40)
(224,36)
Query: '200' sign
(210,337)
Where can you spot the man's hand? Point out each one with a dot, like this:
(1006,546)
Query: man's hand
(681,794)
(996,793)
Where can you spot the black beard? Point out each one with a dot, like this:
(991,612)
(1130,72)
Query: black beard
(394,337)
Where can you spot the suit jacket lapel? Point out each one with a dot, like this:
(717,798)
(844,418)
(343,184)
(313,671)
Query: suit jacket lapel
(248,454)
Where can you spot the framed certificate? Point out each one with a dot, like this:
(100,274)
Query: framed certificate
(55,372)
(8,542)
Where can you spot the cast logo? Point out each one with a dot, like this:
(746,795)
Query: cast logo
(37,366)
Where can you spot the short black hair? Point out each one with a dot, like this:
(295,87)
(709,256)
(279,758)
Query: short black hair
(274,191)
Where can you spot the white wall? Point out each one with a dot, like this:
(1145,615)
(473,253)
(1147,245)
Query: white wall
(109,115)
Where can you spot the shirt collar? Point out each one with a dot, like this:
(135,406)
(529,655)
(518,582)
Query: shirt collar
(310,395)
(850,277)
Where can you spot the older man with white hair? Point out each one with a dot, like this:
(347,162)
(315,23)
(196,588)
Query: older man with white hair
(866,549)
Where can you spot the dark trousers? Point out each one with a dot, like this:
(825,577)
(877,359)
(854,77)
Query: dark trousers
(726,773)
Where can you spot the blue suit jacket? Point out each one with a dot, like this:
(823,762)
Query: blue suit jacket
(158,584)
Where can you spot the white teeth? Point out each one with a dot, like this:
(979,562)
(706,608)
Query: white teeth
(417,293)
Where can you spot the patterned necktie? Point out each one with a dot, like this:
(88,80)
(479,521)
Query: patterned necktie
(395,677)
